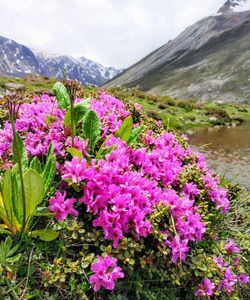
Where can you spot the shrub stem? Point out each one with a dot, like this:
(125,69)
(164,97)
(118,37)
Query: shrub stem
(72,122)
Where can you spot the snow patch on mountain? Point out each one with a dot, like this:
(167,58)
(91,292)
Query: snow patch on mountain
(18,60)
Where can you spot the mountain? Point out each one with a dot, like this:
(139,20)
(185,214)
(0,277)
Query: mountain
(19,61)
(208,60)
(82,69)
(233,5)
(16,59)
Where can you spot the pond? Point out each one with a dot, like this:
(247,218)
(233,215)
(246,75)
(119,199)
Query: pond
(227,151)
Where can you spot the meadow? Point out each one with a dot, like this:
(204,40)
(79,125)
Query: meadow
(102,198)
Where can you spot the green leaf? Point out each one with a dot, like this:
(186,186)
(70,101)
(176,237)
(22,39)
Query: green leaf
(15,183)
(67,119)
(104,151)
(22,151)
(47,214)
(124,132)
(76,188)
(135,134)
(50,119)
(91,128)
(80,112)
(14,259)
(36,165)
(75,152)
(49,171)
(3,231)
(45,234)
(12,250)
(33,189)
(7,245)
(62,95)
(7,195)
(43,212)
(86,103)
(50,151)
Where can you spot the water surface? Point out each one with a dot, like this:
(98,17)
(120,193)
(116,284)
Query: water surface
(227,151)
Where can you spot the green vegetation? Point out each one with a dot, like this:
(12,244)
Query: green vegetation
(34,84)
(186,114)
(174,113)
(132,212)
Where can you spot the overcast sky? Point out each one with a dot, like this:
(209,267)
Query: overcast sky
(113,32)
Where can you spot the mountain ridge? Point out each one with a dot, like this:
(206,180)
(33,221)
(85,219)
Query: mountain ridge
(186,66)
(19,61)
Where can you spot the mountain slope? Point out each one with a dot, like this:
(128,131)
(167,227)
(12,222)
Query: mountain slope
(16,59)
(19,61)
(210,59)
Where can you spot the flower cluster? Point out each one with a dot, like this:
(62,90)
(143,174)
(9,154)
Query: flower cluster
(40,122)
(5,140)
(122,193)
(105,274)
(206,288)
(229,278)
(32,124)
(120,197)
(231,247)
(122,190)
(111,111)
(61,207)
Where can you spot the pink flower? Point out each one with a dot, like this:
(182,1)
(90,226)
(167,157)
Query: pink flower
(158,123)
(179,249)
(243,278)
(76,170)
(236,262)
(137,106)
(231,247)
(191,190)
(220,262)
(229,281)
(61,207)
(105,274)
(111,111)
(79,144)
(206,288)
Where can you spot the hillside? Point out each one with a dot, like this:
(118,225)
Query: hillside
(17,60)
(208,60)
(112,200)
(173,113)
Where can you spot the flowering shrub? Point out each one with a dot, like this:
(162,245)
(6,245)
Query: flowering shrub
(105,273)
(61,207)
(206,288)
(147,202)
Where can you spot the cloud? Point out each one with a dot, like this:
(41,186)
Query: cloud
(112,32)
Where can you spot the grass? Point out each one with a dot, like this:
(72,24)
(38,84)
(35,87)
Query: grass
(33,84)
(174,113)
(186,114)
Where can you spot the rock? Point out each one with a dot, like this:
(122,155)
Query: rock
(213,119)
(14,86)
(243,109)
(190,132)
